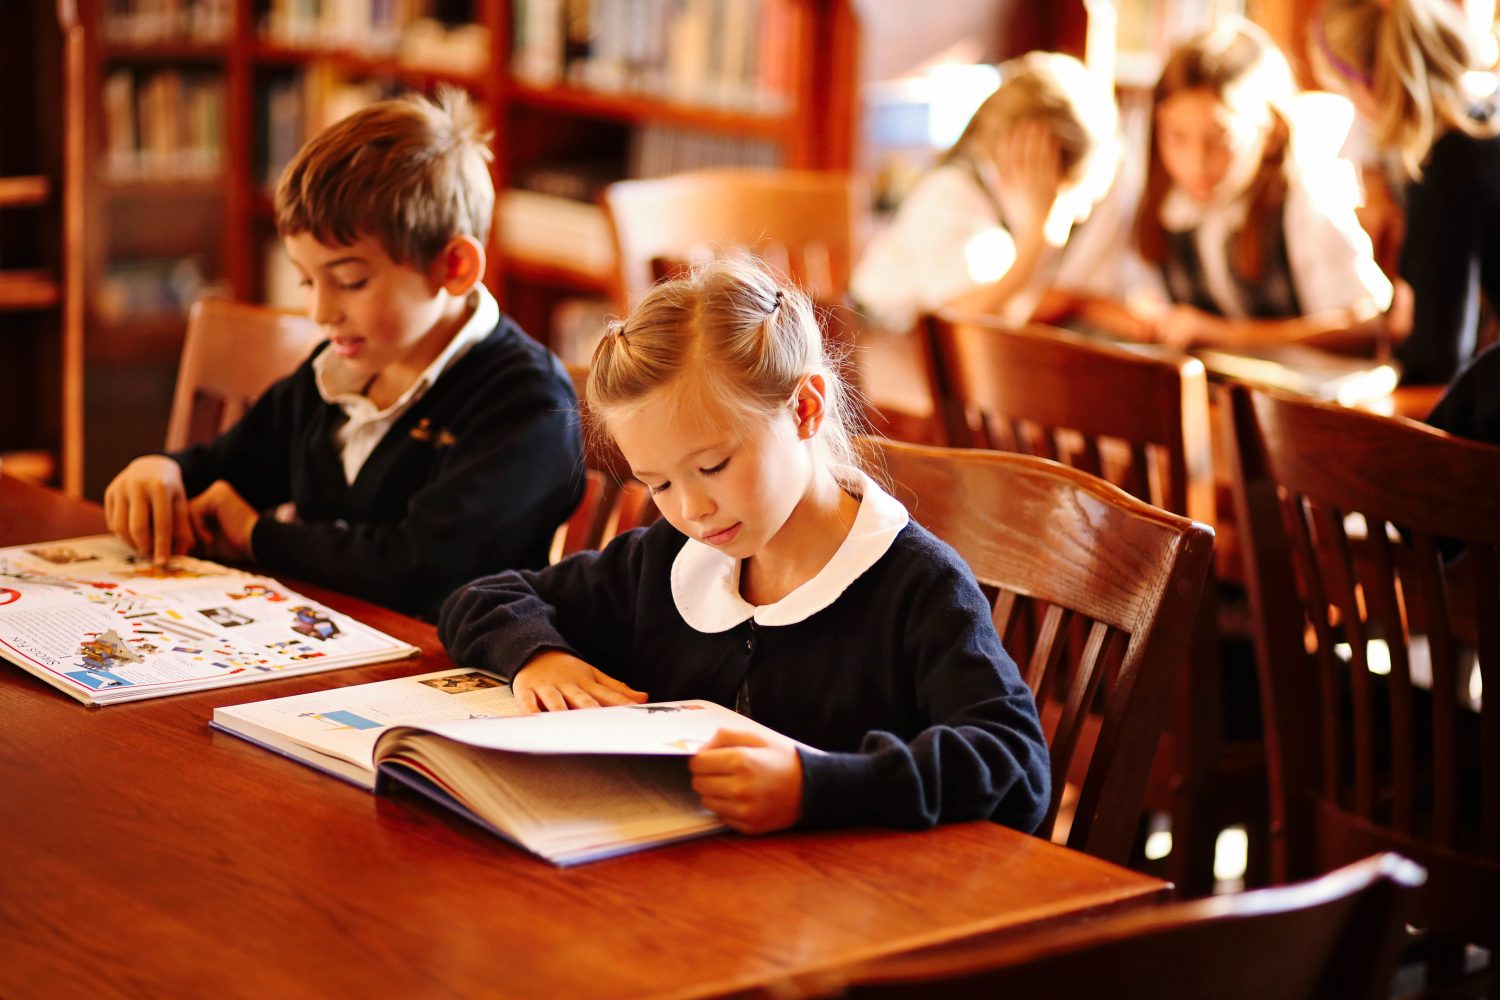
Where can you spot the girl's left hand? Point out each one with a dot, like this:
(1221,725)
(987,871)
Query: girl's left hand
(222,522)
(752,783)
(1183,326)
(1030,160)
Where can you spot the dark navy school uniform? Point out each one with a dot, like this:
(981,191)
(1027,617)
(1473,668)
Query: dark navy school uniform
(472,477)
(887,659)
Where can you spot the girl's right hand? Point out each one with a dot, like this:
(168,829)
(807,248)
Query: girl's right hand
(555,681)
(146,506)
(1030,161)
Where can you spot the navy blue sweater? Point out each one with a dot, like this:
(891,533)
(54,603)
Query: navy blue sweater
(902,678)
(472,479)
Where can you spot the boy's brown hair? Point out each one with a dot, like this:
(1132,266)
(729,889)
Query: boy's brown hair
(411,172)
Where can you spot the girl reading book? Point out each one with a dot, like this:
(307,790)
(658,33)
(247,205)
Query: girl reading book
(781,581)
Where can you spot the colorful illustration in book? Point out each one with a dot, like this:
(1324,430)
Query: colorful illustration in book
(256,590)
(106,651)
(225,617)
(295,648)
(9,596)
(313,623)
(342,720)
(140,566)
(459,683)
(61,554)
(21,575)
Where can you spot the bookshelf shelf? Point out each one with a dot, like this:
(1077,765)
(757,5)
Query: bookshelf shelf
(635,109)
(164,51)
(28,289)
(363,64)
(23,192)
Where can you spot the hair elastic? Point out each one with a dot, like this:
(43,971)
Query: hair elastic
(777,304)
(1343,69)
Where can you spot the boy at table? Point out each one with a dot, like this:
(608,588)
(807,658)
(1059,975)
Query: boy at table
(428,440)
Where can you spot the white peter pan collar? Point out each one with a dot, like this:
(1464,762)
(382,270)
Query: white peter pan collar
(705,581)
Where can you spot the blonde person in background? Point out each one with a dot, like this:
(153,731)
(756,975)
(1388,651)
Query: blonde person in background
(981,231)
(1409,67)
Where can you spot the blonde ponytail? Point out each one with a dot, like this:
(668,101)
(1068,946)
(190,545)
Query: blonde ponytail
(1412,56)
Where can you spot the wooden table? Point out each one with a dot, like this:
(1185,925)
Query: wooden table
(143,854)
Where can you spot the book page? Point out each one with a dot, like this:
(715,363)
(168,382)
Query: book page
(345,722)
(676,728)
(94,619)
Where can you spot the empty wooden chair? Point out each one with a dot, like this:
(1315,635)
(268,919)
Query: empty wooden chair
(1374,636)
(1063,548)
(1141,421)
(232,353)
(800,221)
(1336,936)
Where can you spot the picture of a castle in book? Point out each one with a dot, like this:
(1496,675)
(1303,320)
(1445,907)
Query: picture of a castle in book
(102,656)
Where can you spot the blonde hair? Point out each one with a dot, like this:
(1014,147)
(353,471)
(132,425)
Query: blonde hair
(1412,56)
(1070,100)
(728,333)
(411,172)
(1239,64)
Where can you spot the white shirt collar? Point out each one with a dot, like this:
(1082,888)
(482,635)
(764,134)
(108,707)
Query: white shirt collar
(340,385)
(705,581)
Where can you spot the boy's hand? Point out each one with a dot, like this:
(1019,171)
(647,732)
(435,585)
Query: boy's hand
(223,521)
(147,507)
(555,681)
(753,783)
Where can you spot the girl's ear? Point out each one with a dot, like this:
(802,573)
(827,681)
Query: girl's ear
(808,404)
(460,265)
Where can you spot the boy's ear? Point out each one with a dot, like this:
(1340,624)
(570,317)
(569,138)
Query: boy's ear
(460,265)
(808,404)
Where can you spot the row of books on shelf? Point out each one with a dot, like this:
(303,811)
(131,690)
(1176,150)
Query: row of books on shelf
(152,288)
(403,29)
(734,54)
(294,106)
(139,22)
(163,124)
(103,625)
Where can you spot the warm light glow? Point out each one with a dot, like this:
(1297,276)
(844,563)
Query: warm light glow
(1231,854)
(954,93)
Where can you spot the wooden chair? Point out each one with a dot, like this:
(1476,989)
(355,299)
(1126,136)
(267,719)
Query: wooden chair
(1336,936)
(1058,546)
(232,353)
(1141,421)
(1364,755)
(613,502)
(801,222)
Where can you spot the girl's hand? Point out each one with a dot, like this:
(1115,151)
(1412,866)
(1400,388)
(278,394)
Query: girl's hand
(1030,161)
(754,784)
(555,681)
(223,521)
(147,507)
(1183,326)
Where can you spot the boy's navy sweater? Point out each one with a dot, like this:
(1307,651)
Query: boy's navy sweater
(472,479)
(902,678)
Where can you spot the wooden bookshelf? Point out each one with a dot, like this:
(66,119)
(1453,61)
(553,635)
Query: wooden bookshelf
(220,220)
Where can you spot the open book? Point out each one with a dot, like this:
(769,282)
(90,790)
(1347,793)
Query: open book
(1304,370)
(568,786)
(91,618)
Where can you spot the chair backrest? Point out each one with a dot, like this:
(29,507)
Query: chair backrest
(613,502)
(1338,935)
(1064,553)
(801,222)
(232,354)
(1367,635)
(1139,420)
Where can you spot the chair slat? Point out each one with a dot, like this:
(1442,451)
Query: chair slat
(1484,583)
(1379,586)
(1079,695)
(1333,549)
(1432,600)
(1048,648)
(1294,522)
